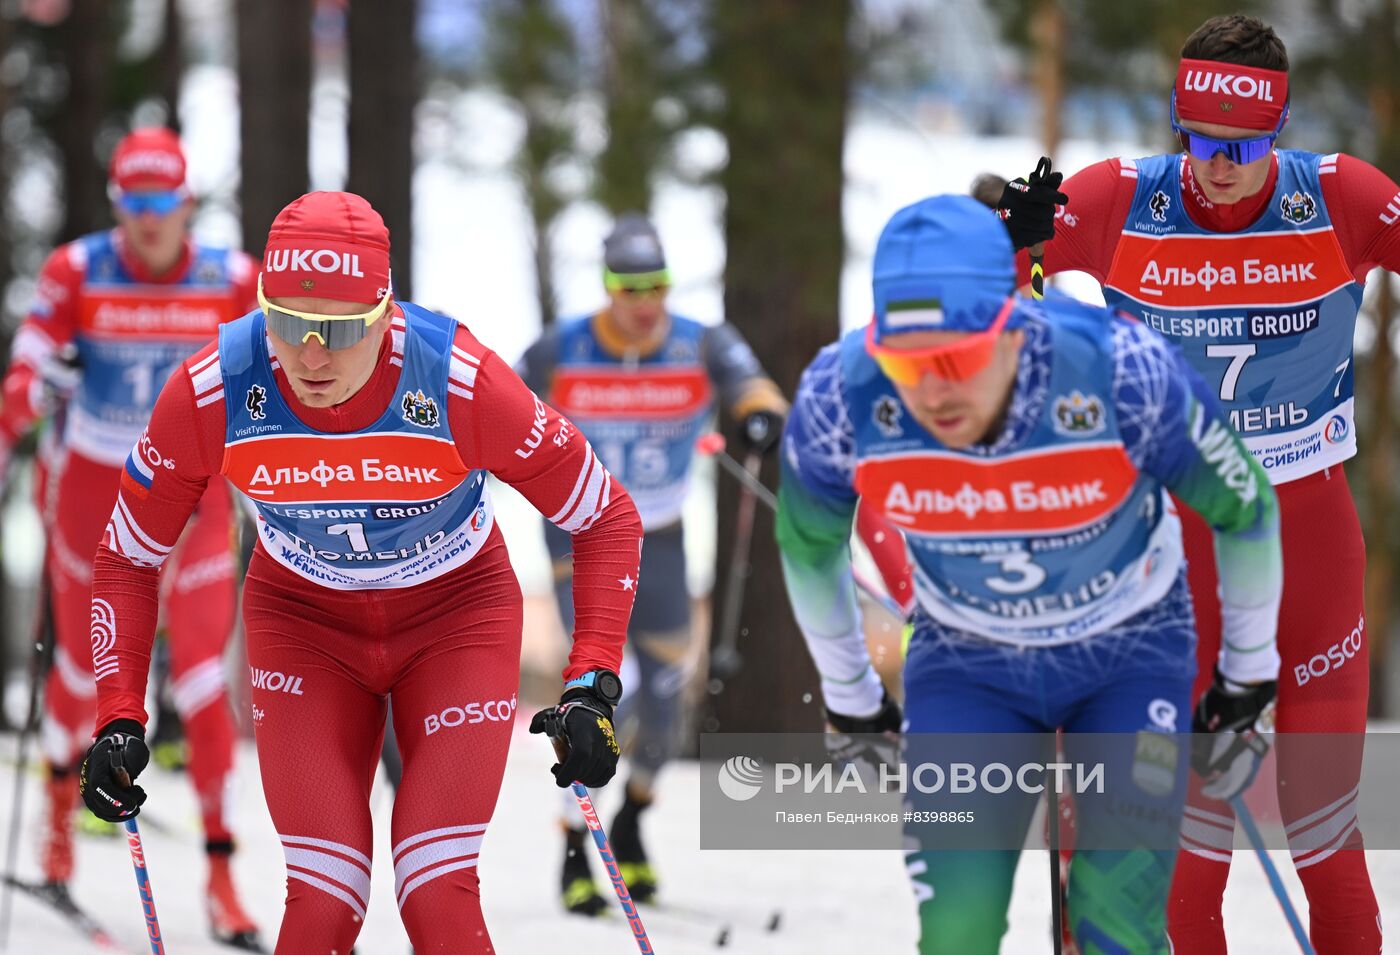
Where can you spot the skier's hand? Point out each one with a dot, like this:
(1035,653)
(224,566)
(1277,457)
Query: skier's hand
(866,741)
(105,779)
(1227,747)
(762,429)
(1027,205)
(582,731)
(61,374)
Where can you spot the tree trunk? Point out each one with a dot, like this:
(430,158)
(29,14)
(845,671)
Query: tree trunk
(87,52)
(784,65)
(1049,39)
(385,86)
(172,62)
(274,95)
(634,141)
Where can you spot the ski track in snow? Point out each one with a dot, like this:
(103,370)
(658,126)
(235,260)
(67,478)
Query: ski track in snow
(830,902)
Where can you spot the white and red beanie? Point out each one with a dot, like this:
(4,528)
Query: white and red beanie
(147,158)
(327,245)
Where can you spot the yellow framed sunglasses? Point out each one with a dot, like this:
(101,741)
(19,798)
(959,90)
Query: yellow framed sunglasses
(334,331)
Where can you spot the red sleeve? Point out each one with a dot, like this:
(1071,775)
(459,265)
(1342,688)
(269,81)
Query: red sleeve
(1088,226)
(180,450)
(50,324)
(886,546)
(528,445)
(1364,204)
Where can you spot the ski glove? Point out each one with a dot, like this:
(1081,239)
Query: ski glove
(762,429)
(582,731)
(105,779)
(868,741)
(1227,746)
(1027,205)
(62,372)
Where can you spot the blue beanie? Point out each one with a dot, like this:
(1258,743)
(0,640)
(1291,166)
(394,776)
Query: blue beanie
(942,264)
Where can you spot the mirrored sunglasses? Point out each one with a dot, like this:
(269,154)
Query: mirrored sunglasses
(1238,151)
(334,331)
(156,202)
(955,361)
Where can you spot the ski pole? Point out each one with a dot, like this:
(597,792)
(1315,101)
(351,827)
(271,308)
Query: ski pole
(138,863)
(1280,893)
(1038,271)
(600,839)
(1052,834)
(38,670)
(725,660)
(712,445)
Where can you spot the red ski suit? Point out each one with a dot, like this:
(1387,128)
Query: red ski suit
(1322,541)
(324,661)
(95,294)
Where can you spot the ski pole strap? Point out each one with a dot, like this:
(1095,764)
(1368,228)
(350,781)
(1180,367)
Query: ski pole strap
(1280,893)
(143,886)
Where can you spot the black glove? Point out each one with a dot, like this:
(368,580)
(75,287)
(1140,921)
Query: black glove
(112,762)
(888,719)
(1027,205)
(762,429)
(867,741)
(582,731)
(1227,746)
(61,374)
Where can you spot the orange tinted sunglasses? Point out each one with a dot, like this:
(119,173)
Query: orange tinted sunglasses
(956,361)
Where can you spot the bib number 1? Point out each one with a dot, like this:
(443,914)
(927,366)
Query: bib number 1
(354,533)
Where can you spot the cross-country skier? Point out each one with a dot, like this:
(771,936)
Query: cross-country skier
(642,383)
(1023,449)
(116,313)
(363,429)
(1253,260)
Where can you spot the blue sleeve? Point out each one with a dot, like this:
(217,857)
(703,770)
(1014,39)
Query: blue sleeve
(819,445)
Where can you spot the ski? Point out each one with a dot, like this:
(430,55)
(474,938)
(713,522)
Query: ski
(243,941)
(57,897)
(722,925)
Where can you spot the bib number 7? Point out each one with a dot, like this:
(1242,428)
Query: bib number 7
(1238,355)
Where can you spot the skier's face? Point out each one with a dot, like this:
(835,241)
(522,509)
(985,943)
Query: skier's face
(1222,181)
(319,376)
(154,232)
(960,413)
(639,313)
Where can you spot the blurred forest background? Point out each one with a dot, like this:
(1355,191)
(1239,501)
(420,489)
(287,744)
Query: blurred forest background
(599,106)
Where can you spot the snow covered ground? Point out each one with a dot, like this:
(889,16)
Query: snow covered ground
(828,902)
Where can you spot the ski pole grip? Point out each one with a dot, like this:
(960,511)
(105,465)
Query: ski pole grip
(119,772)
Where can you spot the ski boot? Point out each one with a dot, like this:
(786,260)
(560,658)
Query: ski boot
(579,892)
(56,845)
(228,922)
(626,838)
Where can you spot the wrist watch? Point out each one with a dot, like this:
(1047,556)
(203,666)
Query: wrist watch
(605,683)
